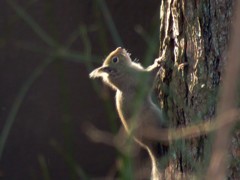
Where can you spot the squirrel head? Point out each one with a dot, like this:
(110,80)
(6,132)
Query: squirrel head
(121,73)
(118,70)
(115,68)
(114,65)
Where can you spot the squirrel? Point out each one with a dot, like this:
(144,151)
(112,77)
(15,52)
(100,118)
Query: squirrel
(133,85)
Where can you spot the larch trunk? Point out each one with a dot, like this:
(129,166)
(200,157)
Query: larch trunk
(194,36)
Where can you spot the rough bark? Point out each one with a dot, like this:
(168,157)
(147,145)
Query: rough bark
(193,40)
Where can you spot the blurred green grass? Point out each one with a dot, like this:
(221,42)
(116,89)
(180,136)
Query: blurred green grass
(54,51)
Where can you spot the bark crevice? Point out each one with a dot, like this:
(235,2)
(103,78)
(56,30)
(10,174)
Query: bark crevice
(197,33)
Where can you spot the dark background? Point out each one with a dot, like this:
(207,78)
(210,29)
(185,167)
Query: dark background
(47,130)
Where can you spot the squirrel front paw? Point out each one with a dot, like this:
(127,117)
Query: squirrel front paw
(155,66)
(159,62)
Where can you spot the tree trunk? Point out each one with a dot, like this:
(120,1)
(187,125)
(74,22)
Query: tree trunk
(193,42)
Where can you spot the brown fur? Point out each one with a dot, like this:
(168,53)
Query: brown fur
(133,86)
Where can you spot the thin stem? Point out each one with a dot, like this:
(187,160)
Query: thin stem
(69,160)
(43,165)
(19,99)
(30,21)
(110,23)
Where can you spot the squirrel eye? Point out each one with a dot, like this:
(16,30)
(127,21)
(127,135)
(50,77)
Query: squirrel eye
(115,59)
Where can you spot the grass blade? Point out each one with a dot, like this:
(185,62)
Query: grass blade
(18,101)
(110,23)
(30,21)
